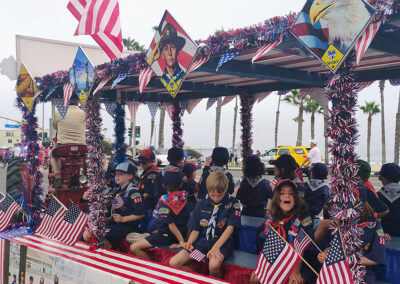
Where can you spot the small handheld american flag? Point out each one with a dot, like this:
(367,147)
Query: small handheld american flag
(197,255)
(8,207)
(117,203)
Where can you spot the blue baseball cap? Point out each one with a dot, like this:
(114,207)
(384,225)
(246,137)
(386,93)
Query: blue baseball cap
(220,155)
(320,170)
(172,177)
(126,167)
(391,171)
(189,168)
(175,154)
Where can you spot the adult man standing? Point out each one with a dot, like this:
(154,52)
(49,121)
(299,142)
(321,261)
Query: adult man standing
(314,155)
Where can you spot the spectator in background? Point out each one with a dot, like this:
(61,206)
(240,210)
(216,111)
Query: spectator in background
(17,150)
(314,155)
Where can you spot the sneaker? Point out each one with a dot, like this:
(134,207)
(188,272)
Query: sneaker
(134,237)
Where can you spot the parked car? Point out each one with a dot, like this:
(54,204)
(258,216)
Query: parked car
(161,155)
(299,153)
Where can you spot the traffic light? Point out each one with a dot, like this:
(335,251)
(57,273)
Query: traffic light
(137,131)
(130,132)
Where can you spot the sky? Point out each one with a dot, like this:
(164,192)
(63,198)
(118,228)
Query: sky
(51,19)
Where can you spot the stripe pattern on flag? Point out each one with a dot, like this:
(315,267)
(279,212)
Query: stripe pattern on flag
(116,263)
(198,63)
(8,207)
(265,49)
(276,261)
(192,104)
(101,84)
(262,96)
(168,108)
(52,218)
(227,99)
(133,108)
(145,76)
(100,19)
(197,255)
(71,226)
(301,242)
(365,40)
(335,268)
(2,259)
(68,91)
(306,91)
(362,85)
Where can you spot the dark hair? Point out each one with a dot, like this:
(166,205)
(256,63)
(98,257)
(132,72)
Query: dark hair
(253,170)
(173,188)
(366,212)
(74,100)
(174,162)
(287,173)
(298,210)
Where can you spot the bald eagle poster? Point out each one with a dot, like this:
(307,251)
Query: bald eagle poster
(330,28)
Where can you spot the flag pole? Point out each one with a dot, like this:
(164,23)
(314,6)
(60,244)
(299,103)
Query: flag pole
(19,207)
(313,270)
(312,241)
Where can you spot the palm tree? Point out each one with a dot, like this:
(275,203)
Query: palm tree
(161,129)
(312,107)
(234,124)
(295,99)
(381,88)
(397,135)
(132,44)
(370,108)
(152,130)
(217,120)
(277,121)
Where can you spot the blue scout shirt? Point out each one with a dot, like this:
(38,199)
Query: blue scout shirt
(315,194)
(390,194)
(190,187)
(159,189)
(373,246)
(254,193)
(206,172)
(147,184)
(132,205)
(173,208)
(229,214)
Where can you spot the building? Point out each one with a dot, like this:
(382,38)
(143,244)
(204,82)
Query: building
(9,137)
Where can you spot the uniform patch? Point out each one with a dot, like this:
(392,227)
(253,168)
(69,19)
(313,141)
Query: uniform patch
(221,224)
(136,195)
(382,241)
(237,206)
(204,222)
(306,221)
(204,211)
(371,225)
(301,194)
(380,233)
(367,247)
(163,211)
(238,213)
(137,200)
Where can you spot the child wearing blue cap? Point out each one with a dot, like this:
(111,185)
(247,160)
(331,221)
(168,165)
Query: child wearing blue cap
(219,159)
(127,205)
(389,175)
(175,158)
(190,185)
(213,223)
(147,179)
(172,215)
(254,191)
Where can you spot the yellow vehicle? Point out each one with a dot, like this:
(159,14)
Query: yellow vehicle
(299,153)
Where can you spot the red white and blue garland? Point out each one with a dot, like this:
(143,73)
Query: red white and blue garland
(177,131)
(246,120)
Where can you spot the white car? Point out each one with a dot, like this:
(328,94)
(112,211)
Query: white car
(161,155)
(268,156)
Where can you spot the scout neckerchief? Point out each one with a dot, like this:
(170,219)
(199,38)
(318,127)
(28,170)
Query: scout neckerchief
(368,185)
(213,222)
(280,227)
(315,184)
(153,168)
(176,201)
(391,191)
(254,181)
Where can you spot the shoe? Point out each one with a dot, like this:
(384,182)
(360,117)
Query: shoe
(134,237)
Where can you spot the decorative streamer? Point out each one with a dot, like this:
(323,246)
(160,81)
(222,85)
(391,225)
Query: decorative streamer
(177,131)
(246,120)
(95,166)
(119,133)
(32,157)
(342,92)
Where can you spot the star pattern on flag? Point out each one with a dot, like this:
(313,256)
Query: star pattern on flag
(6,203)
(184,105)
(283,92)
(192,104)
(226,57)
(53,207)
(210,102)
(153,107)
(51,91)
(110,107)
(273,247)
(394,82)
(119,79)
(62,109)
(72,214)
(335,254)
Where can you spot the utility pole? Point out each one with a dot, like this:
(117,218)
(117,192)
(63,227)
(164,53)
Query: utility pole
(277,121)
(234,124)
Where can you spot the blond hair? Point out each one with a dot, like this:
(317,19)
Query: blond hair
(217,181)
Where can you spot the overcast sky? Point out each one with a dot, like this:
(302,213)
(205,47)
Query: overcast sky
(51,19)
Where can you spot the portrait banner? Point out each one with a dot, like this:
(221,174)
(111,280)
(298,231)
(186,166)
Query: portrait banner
(329,29)
(26,87)
(171,54)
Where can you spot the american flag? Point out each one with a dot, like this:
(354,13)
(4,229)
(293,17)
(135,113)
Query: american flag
(301,242)
(119,79)
(110,107)
(276,261)
(117,203)
(227,99)
(225,58)
(365,40)
(262,96)
(210,102)
(192,104)
(153,107)
(100,19)
(197,255)
(1,196)
(198,63)
(394,82)
(133,108)
(68,91)
(101,84)
(283,92)
(335,268)
(52,218)
(51,91)
(144,78)
(2,259)
(8,207)
(362,85)
(168,108)
(71,226)
(62,109)
(264,49)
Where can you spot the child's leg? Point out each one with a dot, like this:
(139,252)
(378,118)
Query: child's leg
(180,259)
(138,248)
(215,266)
